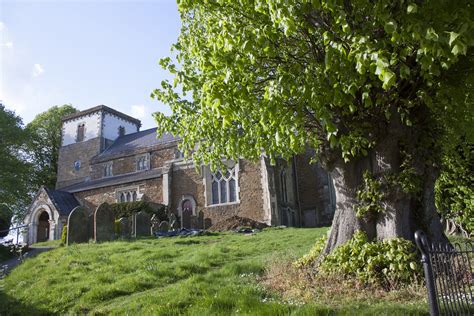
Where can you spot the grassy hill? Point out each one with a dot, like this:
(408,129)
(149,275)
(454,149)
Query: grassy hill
(204,275)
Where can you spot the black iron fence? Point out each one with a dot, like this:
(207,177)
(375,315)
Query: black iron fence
(448,275)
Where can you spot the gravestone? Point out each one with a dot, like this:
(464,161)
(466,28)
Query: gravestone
(201,220)
(164,226)
(155,223)
(125,230)
(186,219)
(142,224)
(207,223)
(194,222)
(77,226)
(173,221)
(104,223)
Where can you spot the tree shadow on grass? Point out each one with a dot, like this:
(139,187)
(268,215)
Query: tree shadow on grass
(12,306)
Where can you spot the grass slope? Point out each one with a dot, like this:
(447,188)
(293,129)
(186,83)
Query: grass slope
(204,275)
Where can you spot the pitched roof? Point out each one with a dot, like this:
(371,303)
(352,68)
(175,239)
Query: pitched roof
(116,180)
(102,108)
(130,143)
(64,202)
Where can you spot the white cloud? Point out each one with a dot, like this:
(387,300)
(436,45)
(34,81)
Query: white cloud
(9,44)
(37,70)
(2,26)
(139,111)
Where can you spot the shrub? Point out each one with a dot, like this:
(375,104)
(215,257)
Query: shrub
(388,263)
(117,229)
(64,235)
(126,209)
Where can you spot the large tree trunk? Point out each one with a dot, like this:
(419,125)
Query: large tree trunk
(403,213)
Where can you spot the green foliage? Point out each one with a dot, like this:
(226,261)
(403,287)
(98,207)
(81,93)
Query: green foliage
(455,186)
(64,235)
(126,209)
(275,76)
(117,229)
(44,140)
(5,219)
(313,254)
(370,196)
(388,263)
(14,169)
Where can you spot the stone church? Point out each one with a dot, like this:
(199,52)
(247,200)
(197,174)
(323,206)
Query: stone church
(104,157)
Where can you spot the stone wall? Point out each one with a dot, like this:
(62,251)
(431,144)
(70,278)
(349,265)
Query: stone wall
(151,190)
(186,181)
(68,155)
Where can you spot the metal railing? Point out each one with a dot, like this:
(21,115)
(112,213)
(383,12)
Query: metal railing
(448,275)
(18,228)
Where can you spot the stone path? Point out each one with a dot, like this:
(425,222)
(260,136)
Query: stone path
(32,251)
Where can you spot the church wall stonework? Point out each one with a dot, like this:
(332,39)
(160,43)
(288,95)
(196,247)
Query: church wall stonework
(150,190)
(189,182)
(68,155)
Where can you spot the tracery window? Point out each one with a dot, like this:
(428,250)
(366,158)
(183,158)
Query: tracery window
(223,186)
(121,131)
(130,195)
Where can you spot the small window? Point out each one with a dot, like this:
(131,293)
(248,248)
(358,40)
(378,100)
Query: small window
(80,132)
(108,170)
(77,165)
(178,154)
(121,131)
(142,163)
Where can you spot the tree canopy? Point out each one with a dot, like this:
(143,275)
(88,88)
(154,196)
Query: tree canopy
(364,83)
(43,145)
(14,169)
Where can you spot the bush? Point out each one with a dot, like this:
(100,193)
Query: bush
(64,235)
(126,209)
(388,263)
(5,219)
(117,229)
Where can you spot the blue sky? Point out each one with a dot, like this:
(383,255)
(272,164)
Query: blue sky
(85,53)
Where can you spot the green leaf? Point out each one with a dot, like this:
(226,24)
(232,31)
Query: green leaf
(452,37)
(412,8)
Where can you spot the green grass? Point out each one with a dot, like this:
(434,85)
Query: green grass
(49,243)
(205,275)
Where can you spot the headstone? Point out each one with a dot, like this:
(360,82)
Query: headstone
(194,222)
(207,223)
(155,223)
(142,224)
(173,221)
(186,219)
(201,220)
(104,223)
(77,228)
(164,226)
(124,227)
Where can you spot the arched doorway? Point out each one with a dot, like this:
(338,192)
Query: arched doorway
(43,227)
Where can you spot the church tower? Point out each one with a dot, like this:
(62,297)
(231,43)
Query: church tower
(86,134)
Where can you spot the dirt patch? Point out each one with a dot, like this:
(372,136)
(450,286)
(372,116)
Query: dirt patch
(236,222)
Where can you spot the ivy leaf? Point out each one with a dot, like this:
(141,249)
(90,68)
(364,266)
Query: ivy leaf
(452,37)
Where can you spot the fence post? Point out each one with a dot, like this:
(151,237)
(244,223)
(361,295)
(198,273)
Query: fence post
(422,243)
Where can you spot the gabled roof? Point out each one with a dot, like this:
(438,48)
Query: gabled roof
(131,143)
(105,109)
(116,180)
(64,202)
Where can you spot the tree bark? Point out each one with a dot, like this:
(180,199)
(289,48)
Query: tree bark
(403,213)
